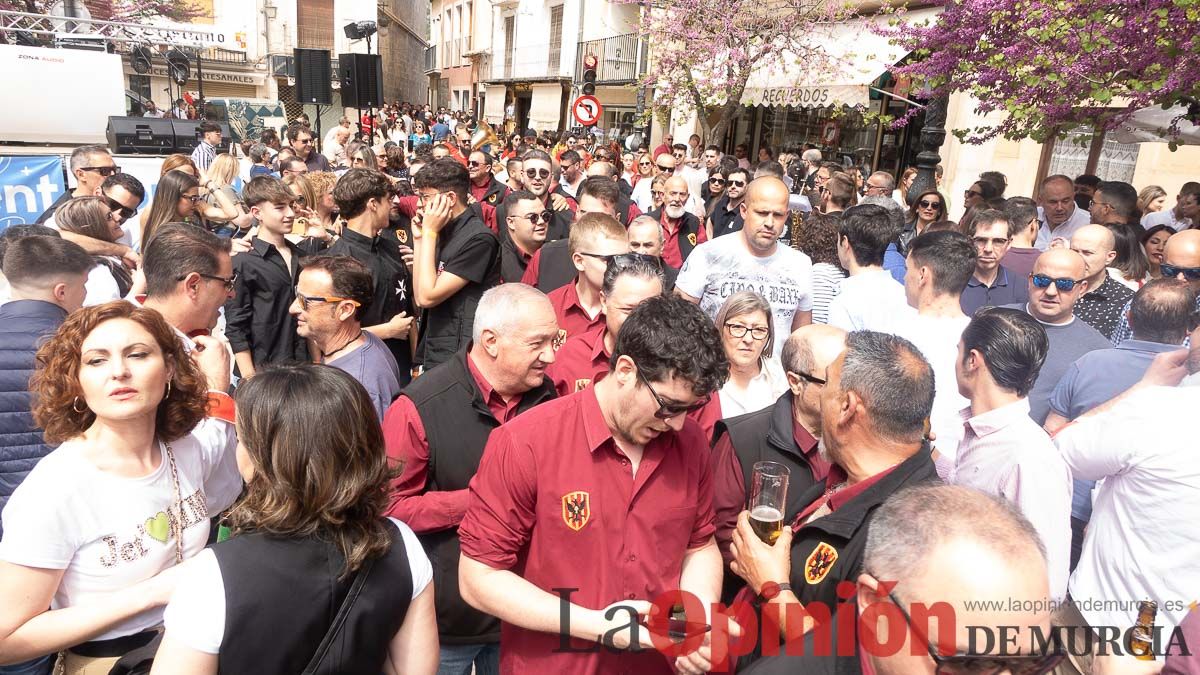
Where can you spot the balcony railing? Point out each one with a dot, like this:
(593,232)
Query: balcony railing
(431,59)
(219,55)
(621,58)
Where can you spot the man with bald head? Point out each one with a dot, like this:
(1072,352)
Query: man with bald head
(682,230)
(1181,260)
(646,237)
(1103,304)
(787,432)
(753,259)
(1057,211)
(1057,282)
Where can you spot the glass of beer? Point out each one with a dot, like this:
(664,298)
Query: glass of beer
(768,497)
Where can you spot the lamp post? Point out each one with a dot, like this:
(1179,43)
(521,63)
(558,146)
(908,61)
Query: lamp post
(933,134)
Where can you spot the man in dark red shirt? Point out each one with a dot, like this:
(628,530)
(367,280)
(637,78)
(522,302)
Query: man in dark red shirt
(682,231)
(526,224)
(628,280)
(438,427)
(600,499)
(594,239)
(484,186)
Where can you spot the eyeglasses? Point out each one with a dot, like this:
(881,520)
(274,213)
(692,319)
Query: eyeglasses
(994,241)
(1190,273)
(972,193)
(982,664)
(876,187)
(537,173)
(193,198)
(475,165)
(125,212)
(625,259)
(228,282)
(736,183)
(926,204)
(657,194)
(105,171)
(809,378)
(665,169)
(737,330)
(426,196)
(305,299)
(538,217)
(668,411)
(1063,284)
(645,163)
(717,180)
(301,201)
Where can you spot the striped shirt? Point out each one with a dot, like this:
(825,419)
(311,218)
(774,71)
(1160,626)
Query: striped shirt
(826,279)
(203,155)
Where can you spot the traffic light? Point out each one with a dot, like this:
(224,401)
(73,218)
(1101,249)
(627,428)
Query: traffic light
(179,66)
(589,74)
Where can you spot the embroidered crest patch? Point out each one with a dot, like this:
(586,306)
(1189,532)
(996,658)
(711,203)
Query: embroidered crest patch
(402,236)
(493,197)
(692,238)
(819,562)
(576,509)
(561,338)
(582,383)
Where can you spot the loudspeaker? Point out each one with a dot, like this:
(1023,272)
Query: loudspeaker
(313,76)
(362,80)
(140,135)
(187,136)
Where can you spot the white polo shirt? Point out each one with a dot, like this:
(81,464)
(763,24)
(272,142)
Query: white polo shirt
(1078,219)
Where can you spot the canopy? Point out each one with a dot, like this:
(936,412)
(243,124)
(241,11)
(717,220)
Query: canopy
(1151,125)
(859,57)
(546,106)
(494,105)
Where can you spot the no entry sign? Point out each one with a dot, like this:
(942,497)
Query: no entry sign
(587,110)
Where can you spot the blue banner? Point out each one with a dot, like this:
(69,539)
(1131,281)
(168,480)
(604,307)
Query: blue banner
(28,186)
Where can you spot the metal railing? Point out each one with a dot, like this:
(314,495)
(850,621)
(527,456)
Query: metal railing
(622,58)
(219,55)
(38,27)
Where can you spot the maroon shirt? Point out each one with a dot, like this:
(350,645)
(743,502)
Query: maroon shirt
(405,440)
(581,362)
(671,253)
(571,316)
(556,501)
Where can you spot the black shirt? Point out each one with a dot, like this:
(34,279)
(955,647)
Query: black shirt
(724,220)
(466,248)
(393,285)
(257,318)
(513,261)
(1102,308)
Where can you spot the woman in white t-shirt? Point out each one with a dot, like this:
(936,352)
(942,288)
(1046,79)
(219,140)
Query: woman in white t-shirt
(748,334)
(98,529)
(306,534)
(93,217)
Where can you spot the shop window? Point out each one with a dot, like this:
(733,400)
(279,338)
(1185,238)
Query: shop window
(1081,151)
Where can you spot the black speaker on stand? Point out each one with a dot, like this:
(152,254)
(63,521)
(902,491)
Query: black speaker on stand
(140,135)
(361,76)
(313,76)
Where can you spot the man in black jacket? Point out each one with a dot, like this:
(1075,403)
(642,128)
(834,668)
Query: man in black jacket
(788,432)
(438,428)
(46,276)
(875,407)
(937,558)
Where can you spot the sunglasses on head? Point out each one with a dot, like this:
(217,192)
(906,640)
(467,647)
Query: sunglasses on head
(926,204)
(1189,273)
(1063,284)
(537,173)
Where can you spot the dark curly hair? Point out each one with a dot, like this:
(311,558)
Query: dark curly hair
(317,448)
(55,383)
(668,336)
(818,238)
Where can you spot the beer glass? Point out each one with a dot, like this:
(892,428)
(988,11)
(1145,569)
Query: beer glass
(768,497)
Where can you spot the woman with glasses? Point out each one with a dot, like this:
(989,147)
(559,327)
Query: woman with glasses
(419,136)
(219,195)
(94,217)
(360,156)
(308,542)
(305,204)
(716,190)
(643,168)
(747,335)
(99,528)
(658,191)
(1154,244)
(928,208)
(176,200)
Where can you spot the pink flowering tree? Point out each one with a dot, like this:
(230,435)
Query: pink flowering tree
(116,10)
(703,51)
(1051,65)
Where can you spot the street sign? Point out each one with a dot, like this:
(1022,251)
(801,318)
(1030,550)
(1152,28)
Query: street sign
(587,110)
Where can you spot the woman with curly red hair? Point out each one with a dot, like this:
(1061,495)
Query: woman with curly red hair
(97,528)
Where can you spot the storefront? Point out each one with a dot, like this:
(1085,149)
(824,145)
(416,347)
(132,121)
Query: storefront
(220,81)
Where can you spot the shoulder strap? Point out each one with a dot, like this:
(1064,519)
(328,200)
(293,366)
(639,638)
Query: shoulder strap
(340,619)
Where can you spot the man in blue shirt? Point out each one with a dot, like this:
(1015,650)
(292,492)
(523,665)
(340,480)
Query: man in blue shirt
(1161,316)
(992,284)
(440,131)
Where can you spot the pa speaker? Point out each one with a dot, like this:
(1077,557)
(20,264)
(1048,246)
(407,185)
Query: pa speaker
(187,135)
(361,76)
(313,76)
(140,135)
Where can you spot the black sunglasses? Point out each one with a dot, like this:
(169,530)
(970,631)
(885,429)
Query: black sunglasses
(125,212)
(1063,284)
(229,282)
(1190,273)
(539,217)
(809,378)
(668,411)
(716,179)
(926,204)
(665,169)
(537,173)
(105,171)
(737,183)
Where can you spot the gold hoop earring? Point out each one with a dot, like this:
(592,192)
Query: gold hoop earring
(168,394)
(75,406)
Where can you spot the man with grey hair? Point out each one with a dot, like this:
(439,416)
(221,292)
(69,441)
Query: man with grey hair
(787,432)
(880,184)
(90,165)
(260,160)
(934,544)
(812,162)
(438,428)
(875,402)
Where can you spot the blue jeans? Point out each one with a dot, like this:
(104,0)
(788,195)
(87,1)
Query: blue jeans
(458,659)
(39,666)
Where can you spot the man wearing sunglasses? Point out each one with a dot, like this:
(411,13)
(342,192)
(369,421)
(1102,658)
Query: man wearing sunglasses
(875,441)
(787,432)
(484,186)
(1056,284)
(726,216)
(539,179)
(90,165)
(605,492)
(1181,260)
(189,277)
(527,223)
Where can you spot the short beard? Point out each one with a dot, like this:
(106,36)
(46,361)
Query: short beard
(674,213)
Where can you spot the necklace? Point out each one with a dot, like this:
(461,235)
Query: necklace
(325,355)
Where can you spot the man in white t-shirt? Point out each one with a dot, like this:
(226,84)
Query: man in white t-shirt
(753,260)
(938,266)
(1058,213)
(868,299)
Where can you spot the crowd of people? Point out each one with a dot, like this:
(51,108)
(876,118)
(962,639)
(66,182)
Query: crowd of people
(424,405)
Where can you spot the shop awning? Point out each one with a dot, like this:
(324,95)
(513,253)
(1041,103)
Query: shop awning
(1152,125)
(545,106)
(859,56)
(493,111)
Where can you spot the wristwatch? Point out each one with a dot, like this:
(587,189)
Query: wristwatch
(771,590)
